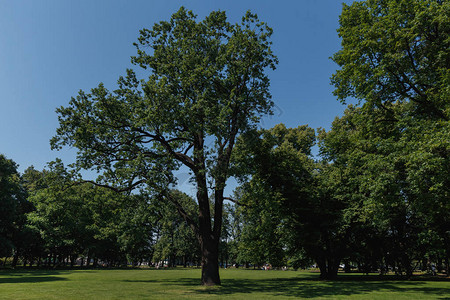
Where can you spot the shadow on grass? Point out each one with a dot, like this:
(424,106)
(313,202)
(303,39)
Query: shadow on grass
(311,287)
(23,272)
(30,279)
(34,276)
(39,272)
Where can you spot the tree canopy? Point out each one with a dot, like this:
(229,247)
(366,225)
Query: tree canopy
(11,196)
(208,84)
(396,51)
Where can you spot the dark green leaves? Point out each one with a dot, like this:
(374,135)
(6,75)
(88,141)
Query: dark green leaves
(395,51)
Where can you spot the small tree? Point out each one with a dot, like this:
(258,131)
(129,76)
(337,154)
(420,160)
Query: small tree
(207,85)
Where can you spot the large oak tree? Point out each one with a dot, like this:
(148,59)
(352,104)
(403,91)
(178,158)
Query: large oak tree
(208,84)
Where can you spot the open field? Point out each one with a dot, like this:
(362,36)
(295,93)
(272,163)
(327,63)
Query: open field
(184,283)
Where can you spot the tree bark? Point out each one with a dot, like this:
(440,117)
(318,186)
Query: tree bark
(447,266)
(53,260)
(72,260)
(15,259)
(207,237)
(328,268)
(209,243)
(210,262)
(347,268)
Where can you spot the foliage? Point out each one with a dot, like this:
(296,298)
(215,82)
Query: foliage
(393,151)
(378,163)
(280,202)
(208,84)
(11,196)
(174,238)
(396,51)
(84,220)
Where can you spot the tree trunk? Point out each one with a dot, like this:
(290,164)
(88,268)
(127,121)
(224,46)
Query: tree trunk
(347,268)
(52,260)
(15,259)
(328,268)
(210,262)
(333,268)
(447,267)
(407,265)
(207,236)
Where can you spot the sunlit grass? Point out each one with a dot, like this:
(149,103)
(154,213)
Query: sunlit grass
(184,283)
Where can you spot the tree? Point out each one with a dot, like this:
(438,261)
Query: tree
(11,196)
(227,243)
(208,84)
(260,241)
(360,172)
(59,215)
(396,51)
(137,226)
(72,219)
(290,206)
(174,238)
(27,242)
(395,60)
(398,215)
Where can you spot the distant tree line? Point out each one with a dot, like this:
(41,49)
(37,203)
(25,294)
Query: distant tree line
(50,219)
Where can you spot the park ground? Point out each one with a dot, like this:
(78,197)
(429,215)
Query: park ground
(236,284)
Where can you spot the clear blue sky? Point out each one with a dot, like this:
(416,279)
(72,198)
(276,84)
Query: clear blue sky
(49,50)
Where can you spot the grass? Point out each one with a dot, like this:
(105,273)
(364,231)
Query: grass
(184,283)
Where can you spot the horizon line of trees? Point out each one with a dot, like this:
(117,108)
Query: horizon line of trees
(49,219)
(363,204)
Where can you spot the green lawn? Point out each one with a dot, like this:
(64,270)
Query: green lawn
(184,283)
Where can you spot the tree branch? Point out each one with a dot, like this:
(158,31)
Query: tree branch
(236,202)
(130,187)
(184,214)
